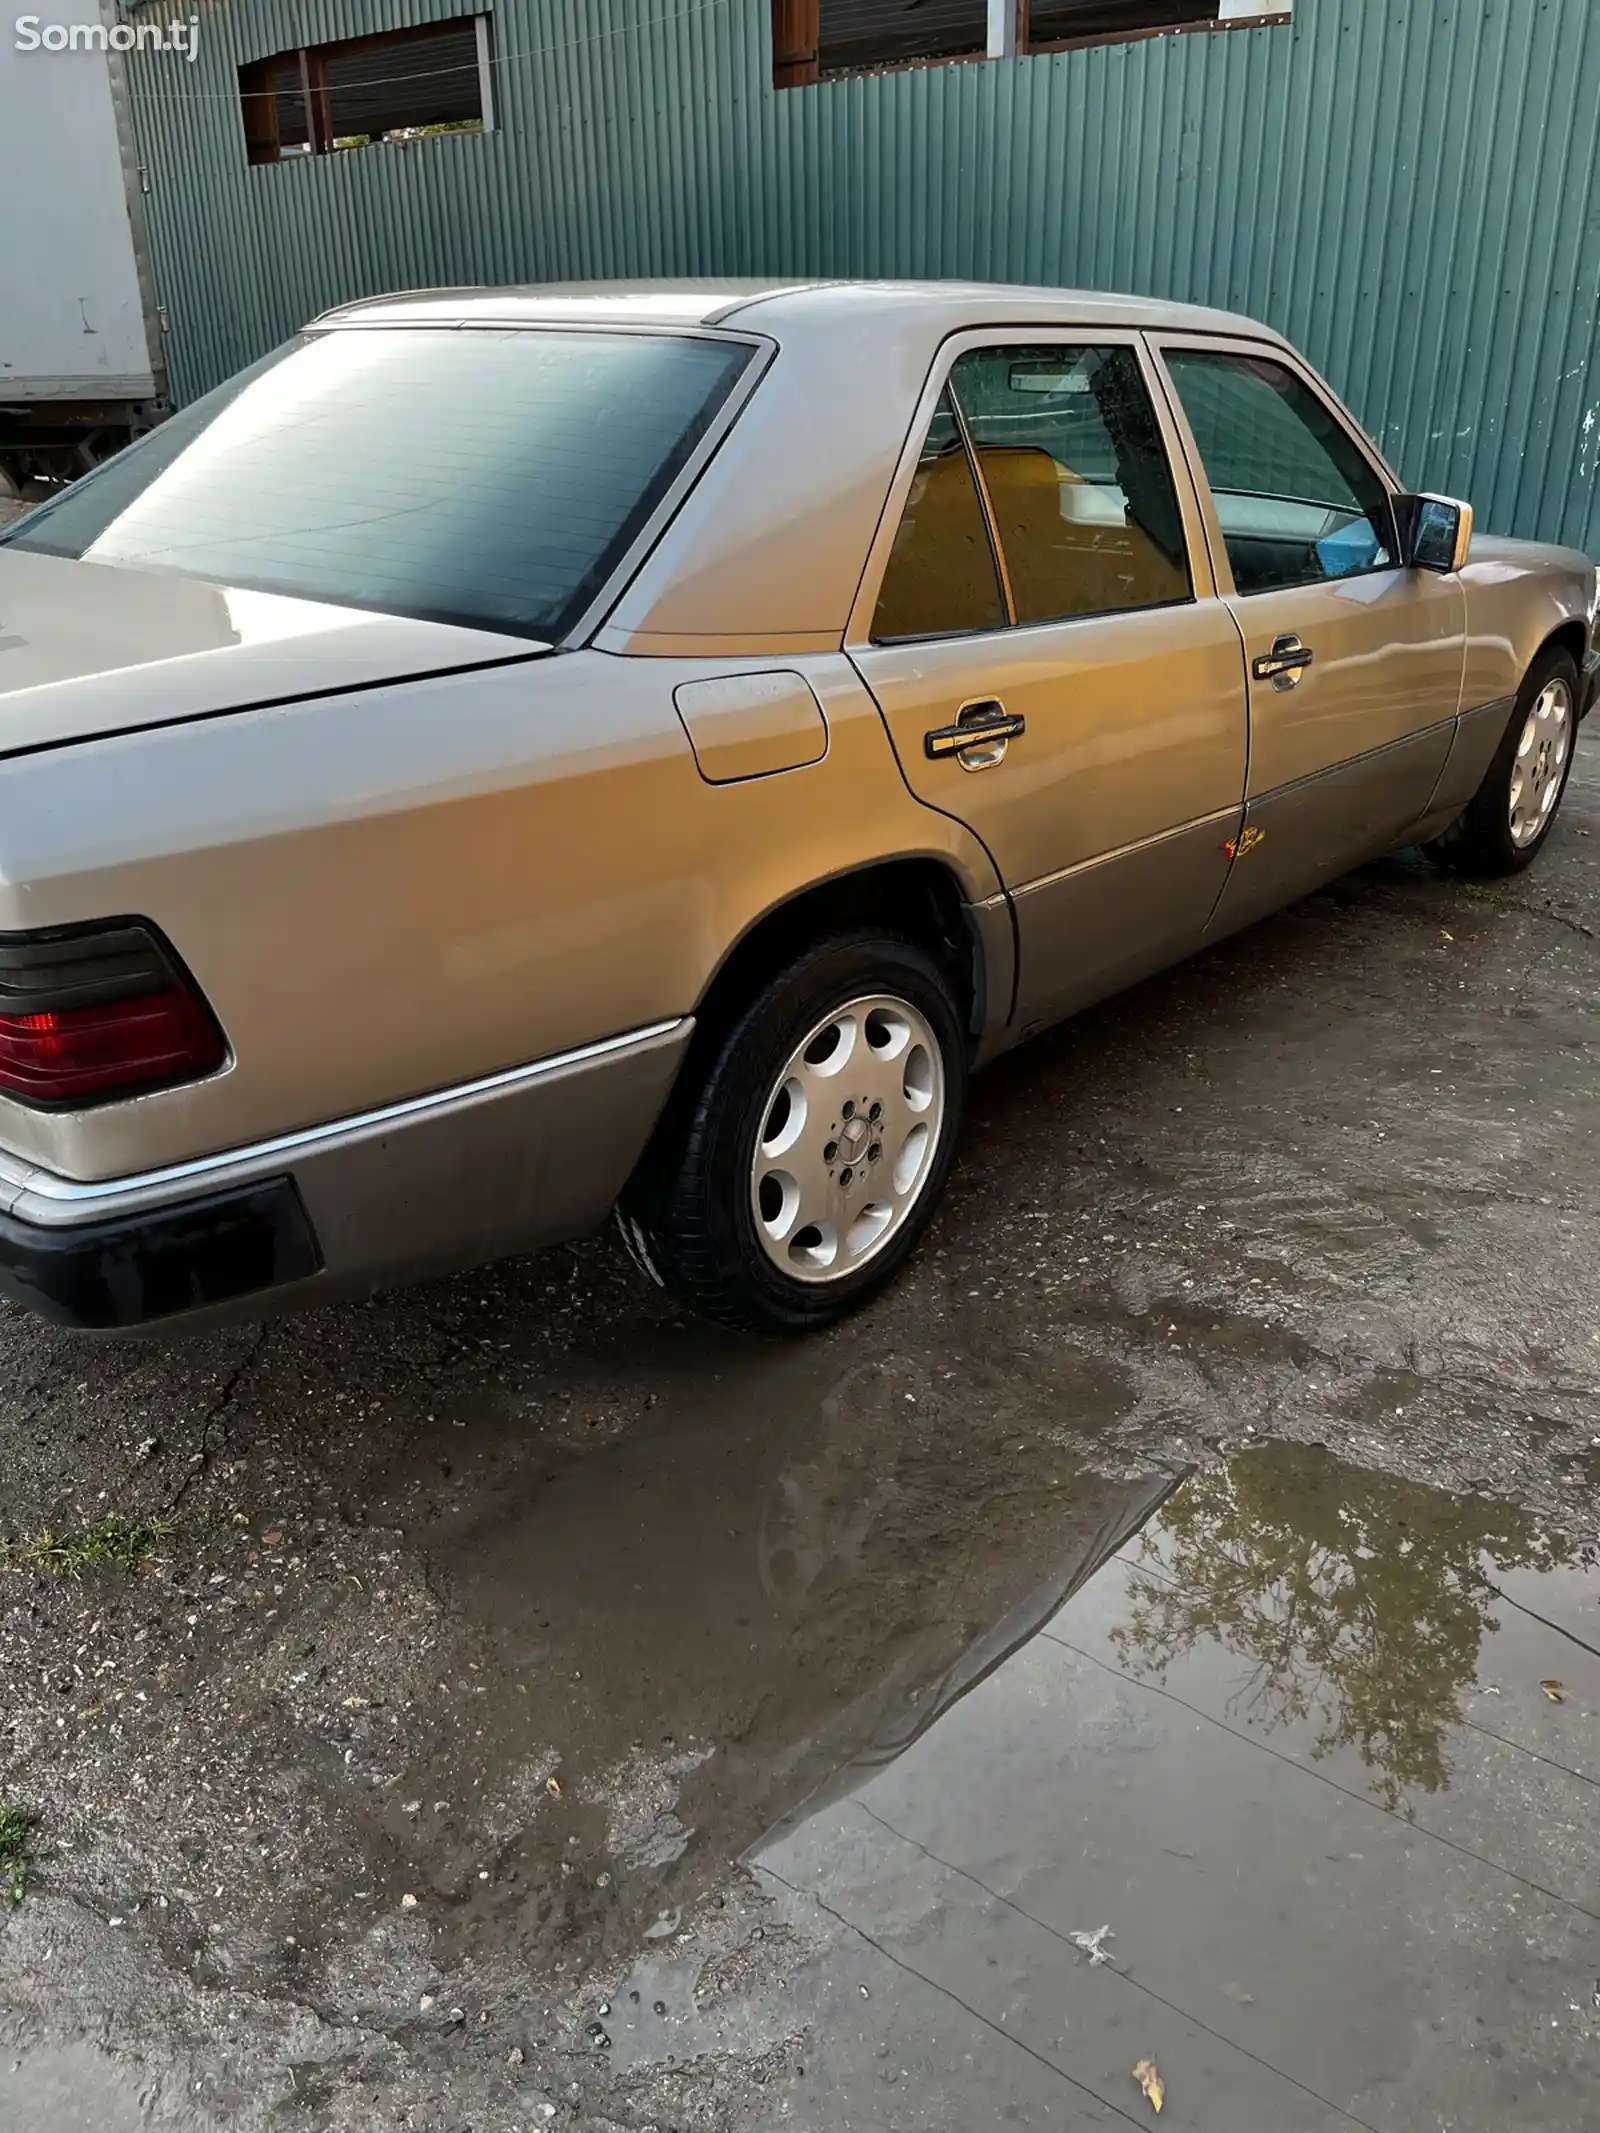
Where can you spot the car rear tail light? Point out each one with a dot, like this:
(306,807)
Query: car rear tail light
(88,1013)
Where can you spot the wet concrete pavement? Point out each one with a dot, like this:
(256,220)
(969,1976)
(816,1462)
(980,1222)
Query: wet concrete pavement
(595,1634)
(1346,1844)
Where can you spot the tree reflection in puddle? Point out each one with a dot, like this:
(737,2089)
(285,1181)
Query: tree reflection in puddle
(1358,1602)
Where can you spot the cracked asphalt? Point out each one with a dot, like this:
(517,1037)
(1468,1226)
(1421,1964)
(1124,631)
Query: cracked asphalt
(513,1657)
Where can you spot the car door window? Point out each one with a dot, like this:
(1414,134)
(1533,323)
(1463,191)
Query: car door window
(1077,479)
(941,580)
(1297,499)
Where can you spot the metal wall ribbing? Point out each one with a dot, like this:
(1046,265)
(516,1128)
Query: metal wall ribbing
(1407,188)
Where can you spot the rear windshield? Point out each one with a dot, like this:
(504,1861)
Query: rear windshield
(487,477)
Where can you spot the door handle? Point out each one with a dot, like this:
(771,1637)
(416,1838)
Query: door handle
(1284,664)
(980,736)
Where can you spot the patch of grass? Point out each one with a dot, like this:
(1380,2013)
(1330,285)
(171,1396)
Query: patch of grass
(1480,892)
(119,1542)
(18,1827)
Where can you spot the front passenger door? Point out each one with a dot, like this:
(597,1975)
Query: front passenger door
(1353,664)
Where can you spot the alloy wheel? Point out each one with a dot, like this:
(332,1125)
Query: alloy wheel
(1540,762)
(847,1138)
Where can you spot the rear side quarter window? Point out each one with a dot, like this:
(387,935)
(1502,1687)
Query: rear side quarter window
(941,580)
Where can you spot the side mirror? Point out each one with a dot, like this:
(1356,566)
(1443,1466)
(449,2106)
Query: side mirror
(1435,532)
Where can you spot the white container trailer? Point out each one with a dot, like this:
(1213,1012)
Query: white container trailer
(80,340)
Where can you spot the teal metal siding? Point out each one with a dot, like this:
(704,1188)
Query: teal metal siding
(1407,188)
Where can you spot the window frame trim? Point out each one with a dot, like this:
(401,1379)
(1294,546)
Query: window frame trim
(1203,584)
(1221,25)
(991,523)
(1287,358)
(798,66)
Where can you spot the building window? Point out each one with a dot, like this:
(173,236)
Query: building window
(1058,22)
(815,40)
(401,86)
(876,33)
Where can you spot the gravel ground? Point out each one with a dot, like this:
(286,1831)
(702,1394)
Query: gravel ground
(467,1639)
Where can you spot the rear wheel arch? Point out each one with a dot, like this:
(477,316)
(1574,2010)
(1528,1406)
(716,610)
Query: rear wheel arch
(801,1161)
(919,897)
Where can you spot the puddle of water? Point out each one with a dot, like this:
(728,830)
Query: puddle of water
(1368,1615)
(1355,1607)
(678,1635)
(1316,1744)
(1319,1747)
(70,2087)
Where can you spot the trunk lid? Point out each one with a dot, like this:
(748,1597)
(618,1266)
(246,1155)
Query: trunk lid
(96,648)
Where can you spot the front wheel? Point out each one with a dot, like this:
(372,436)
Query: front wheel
(802,1169)
(1512,812)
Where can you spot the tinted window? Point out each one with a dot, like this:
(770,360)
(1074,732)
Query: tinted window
(1077,478)
(485,477)
(1296,498)
(941,579)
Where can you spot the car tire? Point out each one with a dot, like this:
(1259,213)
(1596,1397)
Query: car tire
(798,1167)
(1504,825)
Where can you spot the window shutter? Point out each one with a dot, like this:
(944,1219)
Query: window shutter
(796,29)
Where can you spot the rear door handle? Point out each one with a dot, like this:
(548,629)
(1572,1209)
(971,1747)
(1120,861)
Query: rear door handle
(1284,664)
(980,736)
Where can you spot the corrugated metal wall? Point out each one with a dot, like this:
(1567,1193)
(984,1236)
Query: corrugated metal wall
(1408,188)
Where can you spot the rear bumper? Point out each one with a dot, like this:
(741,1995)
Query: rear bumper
(136,1269)
(446,1180)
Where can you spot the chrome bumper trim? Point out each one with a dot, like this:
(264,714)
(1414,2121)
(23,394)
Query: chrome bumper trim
(55,1199)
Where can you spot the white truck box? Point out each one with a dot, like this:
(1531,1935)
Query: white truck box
(80,344)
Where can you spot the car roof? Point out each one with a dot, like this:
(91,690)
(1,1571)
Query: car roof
(771,304)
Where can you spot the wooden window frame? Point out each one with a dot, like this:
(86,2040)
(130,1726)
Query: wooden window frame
(1278,19)
(259,110)
(797,40)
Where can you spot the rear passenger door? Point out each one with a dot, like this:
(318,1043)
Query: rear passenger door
(1042,581)
(1354,664)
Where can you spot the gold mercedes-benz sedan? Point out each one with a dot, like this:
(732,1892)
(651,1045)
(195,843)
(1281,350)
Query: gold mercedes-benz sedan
(513,755)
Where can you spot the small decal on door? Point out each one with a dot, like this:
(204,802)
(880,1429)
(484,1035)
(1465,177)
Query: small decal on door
(1246,841)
